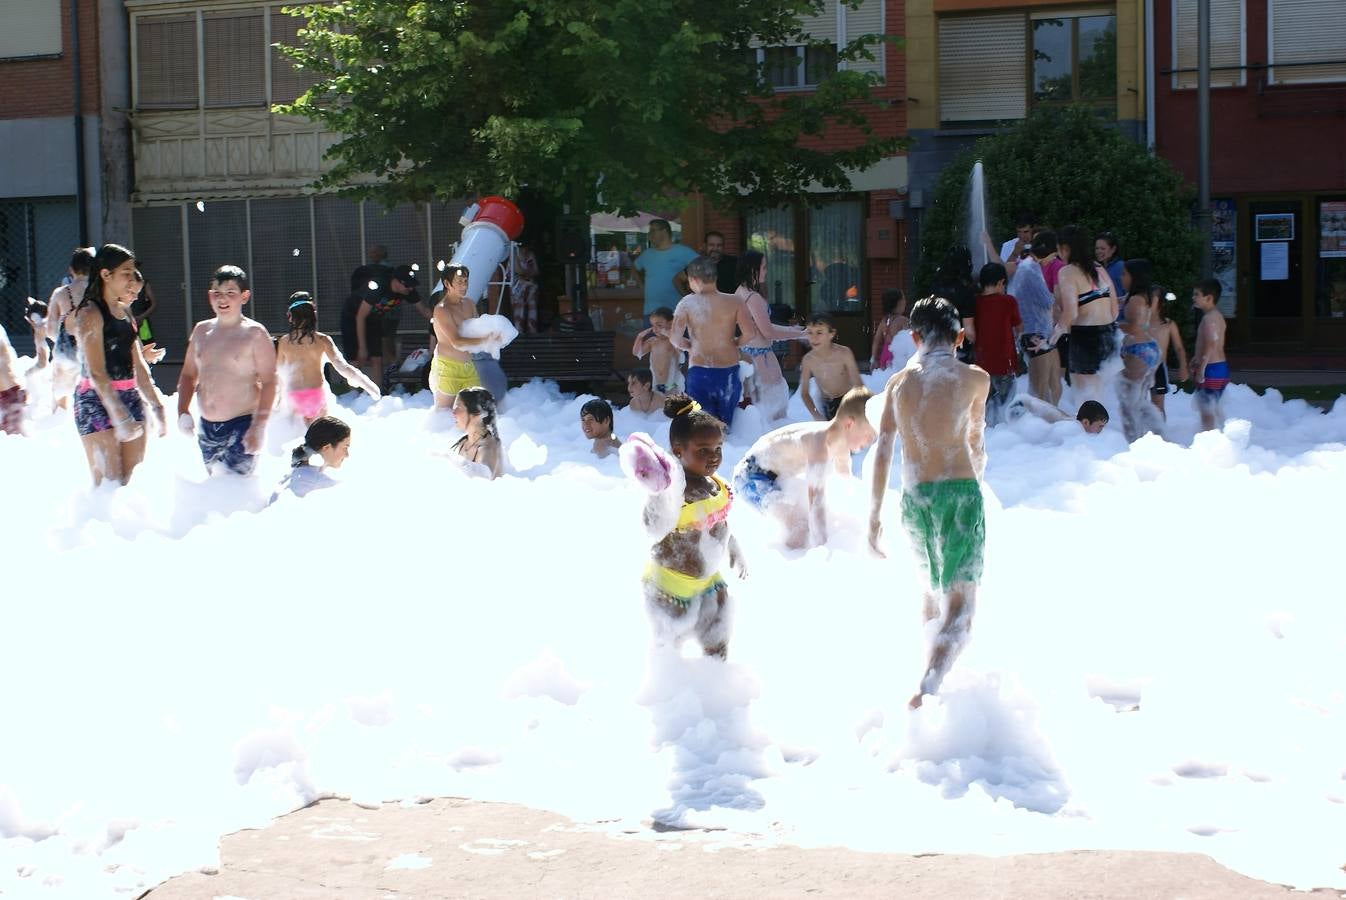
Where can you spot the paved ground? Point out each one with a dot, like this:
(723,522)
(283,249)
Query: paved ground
(463,848)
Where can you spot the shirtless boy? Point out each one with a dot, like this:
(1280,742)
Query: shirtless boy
(640,388)
(596,425)
(937,406)
(230,367)
(61,304)
(703,325)
(665,360)
(1092,415)
(833,367)
(1210,370)
(785,472)
(452,369)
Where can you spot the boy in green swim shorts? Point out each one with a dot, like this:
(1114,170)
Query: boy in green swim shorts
(937,406)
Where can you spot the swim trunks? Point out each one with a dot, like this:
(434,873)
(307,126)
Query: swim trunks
(830,407)
(1090,345)
(1160,380)
(12,401)
(1146,351)
(717,390)
(449,376)
(755,484)
(1027,341)
(947,525)
(1212,386)
(92,417)
(308,402)
(222,442)
(756,351)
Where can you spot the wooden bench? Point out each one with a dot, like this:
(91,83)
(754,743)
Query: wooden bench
(564,357)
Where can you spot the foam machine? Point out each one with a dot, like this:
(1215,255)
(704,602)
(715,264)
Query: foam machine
(490,227)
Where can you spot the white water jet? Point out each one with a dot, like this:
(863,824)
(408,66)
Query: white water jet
(976,218)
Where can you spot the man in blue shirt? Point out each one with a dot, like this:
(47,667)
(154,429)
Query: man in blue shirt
(659,268)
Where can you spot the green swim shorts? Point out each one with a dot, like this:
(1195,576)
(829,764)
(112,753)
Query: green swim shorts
(947,524)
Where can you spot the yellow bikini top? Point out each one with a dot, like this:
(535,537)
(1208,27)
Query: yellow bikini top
(698,515)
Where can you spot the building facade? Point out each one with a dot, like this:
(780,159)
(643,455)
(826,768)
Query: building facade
(1277,160)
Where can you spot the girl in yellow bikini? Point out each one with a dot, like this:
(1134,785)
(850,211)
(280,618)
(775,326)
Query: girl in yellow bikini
(687,514)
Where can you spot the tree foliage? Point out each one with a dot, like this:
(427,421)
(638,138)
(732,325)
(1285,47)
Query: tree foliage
(1068,167)
(603,105)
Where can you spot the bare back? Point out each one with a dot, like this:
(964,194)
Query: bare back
(232,361)
(709,320)
(300,362)
(940,407)
(1072,284)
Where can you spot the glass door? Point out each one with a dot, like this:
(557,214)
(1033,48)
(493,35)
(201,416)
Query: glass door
(1275,259)
(836,270)
(772,232)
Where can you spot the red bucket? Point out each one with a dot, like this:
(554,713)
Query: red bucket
(502,214)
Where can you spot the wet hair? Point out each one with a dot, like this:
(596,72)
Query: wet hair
(936,320)
(81,260)
(644,376)
(1024,219)
(892,299)
(1044,243)
(1081,254)
(600,409)
(1210,287)
(1108,238)
(36,308)
(1142,276)
(325,431)
(822,318)
(479,402)
(109,257)
(451,272)
(992,274)
(688,418)
(662,312)
(1092,411)
(749,265)
(703,269)
(661,224)
(230,273)
(853,404)
(1159,300)
(303,316)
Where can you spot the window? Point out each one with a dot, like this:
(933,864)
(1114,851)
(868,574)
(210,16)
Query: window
(1075,59)
(795,67)
(981,69)
(31,28)
(836,25)
(1301,32)
(1226,43)
(166,62)
(234,73)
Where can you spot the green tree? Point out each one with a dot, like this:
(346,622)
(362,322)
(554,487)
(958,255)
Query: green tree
(1069,167)
(603,105)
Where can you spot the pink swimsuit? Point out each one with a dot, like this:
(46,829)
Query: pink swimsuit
(309,402)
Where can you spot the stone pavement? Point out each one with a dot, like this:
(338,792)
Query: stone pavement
(464,848)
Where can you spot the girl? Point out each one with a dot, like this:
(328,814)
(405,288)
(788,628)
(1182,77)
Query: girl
(327,437)
(1140,352)
(767,388)
(115,382)
(300,356)
(687,514)
(894,322)
(474,413)
(523,293)
(1165,333)
(1087,299)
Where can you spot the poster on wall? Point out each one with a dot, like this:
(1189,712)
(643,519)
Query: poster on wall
(1275,261)
(1275,226)
(1332,229)
(1223,244)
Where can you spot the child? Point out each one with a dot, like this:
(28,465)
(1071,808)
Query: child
(474,413)
(1210,370)
(833,367)
(665,360)
(640,388)
(894,322)
(12,396)
(300,356)
(937,406)
(1092,415)
(687,515)
(996,329)
(1166,335)
(785,472)
(596,423)
(328,438)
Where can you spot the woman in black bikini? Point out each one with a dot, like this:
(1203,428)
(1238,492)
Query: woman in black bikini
(474,413)
(1088,302)
(115,382)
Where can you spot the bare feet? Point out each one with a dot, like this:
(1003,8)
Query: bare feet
(915,702)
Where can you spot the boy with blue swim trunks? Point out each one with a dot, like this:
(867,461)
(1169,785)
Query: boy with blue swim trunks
(937,406)
(704,324)
(1210,369)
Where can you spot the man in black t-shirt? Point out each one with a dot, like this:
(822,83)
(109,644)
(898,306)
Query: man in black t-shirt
(376,318)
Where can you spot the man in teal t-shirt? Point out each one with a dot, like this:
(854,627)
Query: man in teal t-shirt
(660,267)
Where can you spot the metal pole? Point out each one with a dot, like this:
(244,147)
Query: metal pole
(82,219)
(1203,216)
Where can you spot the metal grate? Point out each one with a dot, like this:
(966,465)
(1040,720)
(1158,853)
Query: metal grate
(158,235)
(281,257)
(217,233)
(337,222)
(36,240)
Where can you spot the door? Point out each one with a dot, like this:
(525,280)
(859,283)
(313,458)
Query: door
(1275,274)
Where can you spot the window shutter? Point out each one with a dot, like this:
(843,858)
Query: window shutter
(1307,31)
(822,27)
(234,63)
(982,66)
(1226,42)
(868,19)
(32,28)
(287,82)
(166,62)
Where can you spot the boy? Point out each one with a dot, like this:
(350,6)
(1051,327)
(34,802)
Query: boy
(706,324)
(1210,370)
(995,333)
(232,361)
(452,369)
(596,423)
(640,388)
(785,472)
(833,367)
(665,360)
(937,406)
(1092,415)
(1036,308)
